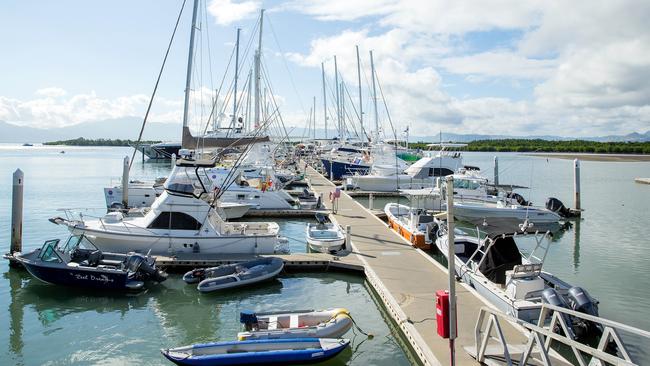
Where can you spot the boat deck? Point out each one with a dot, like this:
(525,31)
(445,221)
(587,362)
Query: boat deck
(406,280)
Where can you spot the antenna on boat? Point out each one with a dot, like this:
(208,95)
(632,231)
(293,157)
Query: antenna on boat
(234,99)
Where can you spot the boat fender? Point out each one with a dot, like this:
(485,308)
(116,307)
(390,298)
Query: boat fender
(249,319)
(339,311)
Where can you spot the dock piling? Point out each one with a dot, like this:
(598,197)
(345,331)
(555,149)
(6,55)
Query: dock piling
(496,171)
(125,182)
(348,237)
(17,212)
(173,160)
(371,199)
(576,184)
(451,268)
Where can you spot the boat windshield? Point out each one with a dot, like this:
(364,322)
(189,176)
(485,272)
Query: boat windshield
(48,252)
(188,180)
(466,184)
(77,241)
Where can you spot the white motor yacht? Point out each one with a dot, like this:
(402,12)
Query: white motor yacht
(183,219)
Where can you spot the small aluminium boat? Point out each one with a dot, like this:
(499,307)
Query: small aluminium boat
(329,323)
(325,237)
(258,352)
(234,275)
(79,263)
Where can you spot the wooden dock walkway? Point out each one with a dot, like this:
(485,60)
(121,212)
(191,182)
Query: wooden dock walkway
(406,280)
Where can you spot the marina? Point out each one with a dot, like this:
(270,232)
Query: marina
(369,228)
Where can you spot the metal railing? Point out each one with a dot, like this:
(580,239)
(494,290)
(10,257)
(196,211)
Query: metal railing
(552,326)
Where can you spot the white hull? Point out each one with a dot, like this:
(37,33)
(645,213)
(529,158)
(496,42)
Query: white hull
(391,183)
(326,246)
(325,238)
(486,211)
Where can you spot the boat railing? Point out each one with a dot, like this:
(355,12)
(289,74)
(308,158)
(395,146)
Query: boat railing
(551,328)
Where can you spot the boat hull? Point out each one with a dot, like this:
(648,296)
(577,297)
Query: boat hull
(337,169)
(112,280)
(389,183)
(418,240)
(261,352)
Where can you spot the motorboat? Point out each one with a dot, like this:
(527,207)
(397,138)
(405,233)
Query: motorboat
(329,323)
(513,281)
(503,215)
(324,237)
(79,263)
(234,275)
(421,174)
(258,352)
(416,225)
(184,219)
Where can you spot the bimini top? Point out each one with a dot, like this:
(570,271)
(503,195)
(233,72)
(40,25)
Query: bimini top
(200,163)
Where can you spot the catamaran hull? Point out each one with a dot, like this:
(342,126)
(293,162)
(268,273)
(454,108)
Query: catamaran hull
(162,245)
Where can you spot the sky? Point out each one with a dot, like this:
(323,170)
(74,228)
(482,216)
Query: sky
(570,68)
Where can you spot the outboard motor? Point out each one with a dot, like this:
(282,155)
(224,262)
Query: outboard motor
(144,269)
(249,319)
(550,296)
(579,300)
(557,206)
(521,201)
(433,231)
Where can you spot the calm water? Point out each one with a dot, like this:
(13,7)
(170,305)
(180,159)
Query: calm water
(607,252)
(47,324)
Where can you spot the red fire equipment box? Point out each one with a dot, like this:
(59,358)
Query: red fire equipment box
(442,313)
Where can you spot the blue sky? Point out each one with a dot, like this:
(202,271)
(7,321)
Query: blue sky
(519,67)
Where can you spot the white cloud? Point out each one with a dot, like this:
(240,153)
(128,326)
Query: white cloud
(583,68)
(227,12)
(51,92)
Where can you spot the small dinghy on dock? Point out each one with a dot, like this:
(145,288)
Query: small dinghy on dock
(325,237)
(257,352)
(330,323)
(79,263)
(234,275)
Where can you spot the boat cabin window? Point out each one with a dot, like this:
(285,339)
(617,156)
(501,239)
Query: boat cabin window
(48,252)
(466,184)
(175,221)
(440,172)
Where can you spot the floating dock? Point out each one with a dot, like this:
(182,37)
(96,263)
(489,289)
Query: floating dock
(406,279)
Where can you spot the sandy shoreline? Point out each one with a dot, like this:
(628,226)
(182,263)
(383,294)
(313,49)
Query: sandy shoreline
(594,157)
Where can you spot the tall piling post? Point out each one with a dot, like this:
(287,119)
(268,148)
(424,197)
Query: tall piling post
(125,182)
(348,237)
(496,171)
(173,160)
(17,212)
(371,201)
(451,254)
(576,184)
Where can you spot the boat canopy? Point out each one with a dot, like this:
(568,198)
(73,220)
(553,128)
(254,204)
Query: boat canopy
(502,256)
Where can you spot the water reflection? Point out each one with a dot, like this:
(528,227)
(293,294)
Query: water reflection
(576,245)
(16,313)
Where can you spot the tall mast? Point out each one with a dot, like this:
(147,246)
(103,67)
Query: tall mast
(234,99)
(322,66)
(338,99)
(258,76)
(342,123)
(314,109)
(248,101)
(374,97)
(190,60)
(360,96)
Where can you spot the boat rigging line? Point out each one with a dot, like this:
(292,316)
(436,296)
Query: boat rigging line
(155,88)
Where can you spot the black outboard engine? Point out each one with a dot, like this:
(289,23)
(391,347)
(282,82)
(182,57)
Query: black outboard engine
(249,319)
(579,300)
(521,201)
(557,206)
(433,231)
(550,296)
(144,269)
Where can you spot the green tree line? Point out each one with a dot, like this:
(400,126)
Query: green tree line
(539,145)
(97,142)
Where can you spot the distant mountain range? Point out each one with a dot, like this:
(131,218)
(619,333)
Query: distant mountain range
(129,128)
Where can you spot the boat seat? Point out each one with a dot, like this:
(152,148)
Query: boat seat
(294,321)
(109,262)
(526,270)
(273,323)
(94,258)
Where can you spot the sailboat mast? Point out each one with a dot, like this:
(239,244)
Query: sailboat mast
(258,76)
(374,97)
(234,101)
(314,109)
(190,60)
(338,98)
(342,124)
(360,96)
(322,66)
